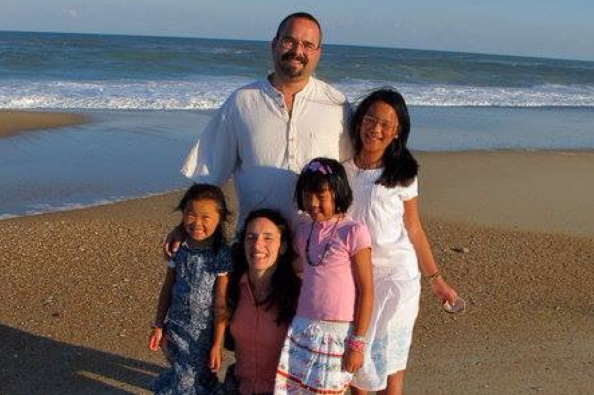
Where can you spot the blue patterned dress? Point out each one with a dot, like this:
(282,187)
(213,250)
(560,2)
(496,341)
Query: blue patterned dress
(189,325)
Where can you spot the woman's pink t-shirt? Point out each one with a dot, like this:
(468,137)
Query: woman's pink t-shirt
(328,291)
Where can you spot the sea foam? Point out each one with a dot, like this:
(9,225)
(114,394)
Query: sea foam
(210,92)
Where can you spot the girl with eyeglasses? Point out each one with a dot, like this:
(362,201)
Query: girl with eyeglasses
(383,175)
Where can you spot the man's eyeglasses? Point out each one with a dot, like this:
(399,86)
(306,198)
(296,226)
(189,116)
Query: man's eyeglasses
(290,43)
(370,121)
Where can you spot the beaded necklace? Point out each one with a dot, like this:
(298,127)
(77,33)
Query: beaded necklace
(326,248)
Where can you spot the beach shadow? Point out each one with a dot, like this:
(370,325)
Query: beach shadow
(35,365)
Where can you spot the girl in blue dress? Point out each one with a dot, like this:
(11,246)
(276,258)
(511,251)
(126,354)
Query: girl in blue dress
(190,320)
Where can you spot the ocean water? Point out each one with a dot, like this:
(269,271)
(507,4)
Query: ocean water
(148,99)
(116,156)
(75,71)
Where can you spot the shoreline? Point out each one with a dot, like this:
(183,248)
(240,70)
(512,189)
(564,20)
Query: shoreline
(81,285)
(15,122)
(81,288)
(538,191)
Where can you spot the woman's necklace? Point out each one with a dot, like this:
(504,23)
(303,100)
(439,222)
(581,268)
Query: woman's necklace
(326,248)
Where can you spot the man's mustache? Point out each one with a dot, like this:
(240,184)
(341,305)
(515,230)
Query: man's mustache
(292,56)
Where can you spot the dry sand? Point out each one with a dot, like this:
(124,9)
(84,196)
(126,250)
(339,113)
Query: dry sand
(546,191)
(79,289)
(15,122)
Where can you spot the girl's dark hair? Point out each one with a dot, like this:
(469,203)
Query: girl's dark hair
(322,173)
(214,193)
(285,283)
(400,167)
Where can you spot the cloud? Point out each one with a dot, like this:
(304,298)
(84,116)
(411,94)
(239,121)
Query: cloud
(71,12)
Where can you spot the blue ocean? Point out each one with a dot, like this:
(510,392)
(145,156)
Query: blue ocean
(76,71)
(147,99)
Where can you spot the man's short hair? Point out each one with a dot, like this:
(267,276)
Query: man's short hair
(302,15)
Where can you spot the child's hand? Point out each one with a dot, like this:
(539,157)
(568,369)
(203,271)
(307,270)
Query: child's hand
(352,360)
(443,291)
(215,359)
(156,339)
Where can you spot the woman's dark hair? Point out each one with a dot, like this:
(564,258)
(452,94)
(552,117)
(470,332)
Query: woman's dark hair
(214,193)
(322,173)
(400,167)
(285,283)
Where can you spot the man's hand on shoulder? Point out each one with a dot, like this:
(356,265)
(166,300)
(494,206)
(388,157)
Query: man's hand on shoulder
(172,242)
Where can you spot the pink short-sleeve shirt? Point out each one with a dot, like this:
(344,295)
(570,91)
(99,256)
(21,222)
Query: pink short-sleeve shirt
(328,291)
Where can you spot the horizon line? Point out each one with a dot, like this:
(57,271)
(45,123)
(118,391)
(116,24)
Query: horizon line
(333,44)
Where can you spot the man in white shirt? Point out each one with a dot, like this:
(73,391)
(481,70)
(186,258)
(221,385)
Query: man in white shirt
(266,131)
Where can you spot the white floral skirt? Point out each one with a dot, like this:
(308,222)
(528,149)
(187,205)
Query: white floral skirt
(395,310)
(311,359)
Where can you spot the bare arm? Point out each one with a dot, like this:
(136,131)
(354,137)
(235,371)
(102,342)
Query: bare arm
(220,321)
(220,309)
(165,297)
(427,265)
(156,337)
(363,274)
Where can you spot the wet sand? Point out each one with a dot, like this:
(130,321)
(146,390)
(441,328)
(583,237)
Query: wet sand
(80,287)
(15,122)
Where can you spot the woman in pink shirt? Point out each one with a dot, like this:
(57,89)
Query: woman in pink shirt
(262,299)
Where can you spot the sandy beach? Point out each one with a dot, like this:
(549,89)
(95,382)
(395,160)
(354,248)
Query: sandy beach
(80,286)
(14,122)
(542,191)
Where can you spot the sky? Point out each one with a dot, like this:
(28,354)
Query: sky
(542,28)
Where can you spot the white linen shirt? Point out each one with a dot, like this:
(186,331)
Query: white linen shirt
(253,138)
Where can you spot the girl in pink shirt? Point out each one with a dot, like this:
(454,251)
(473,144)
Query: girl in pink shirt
(326,340)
